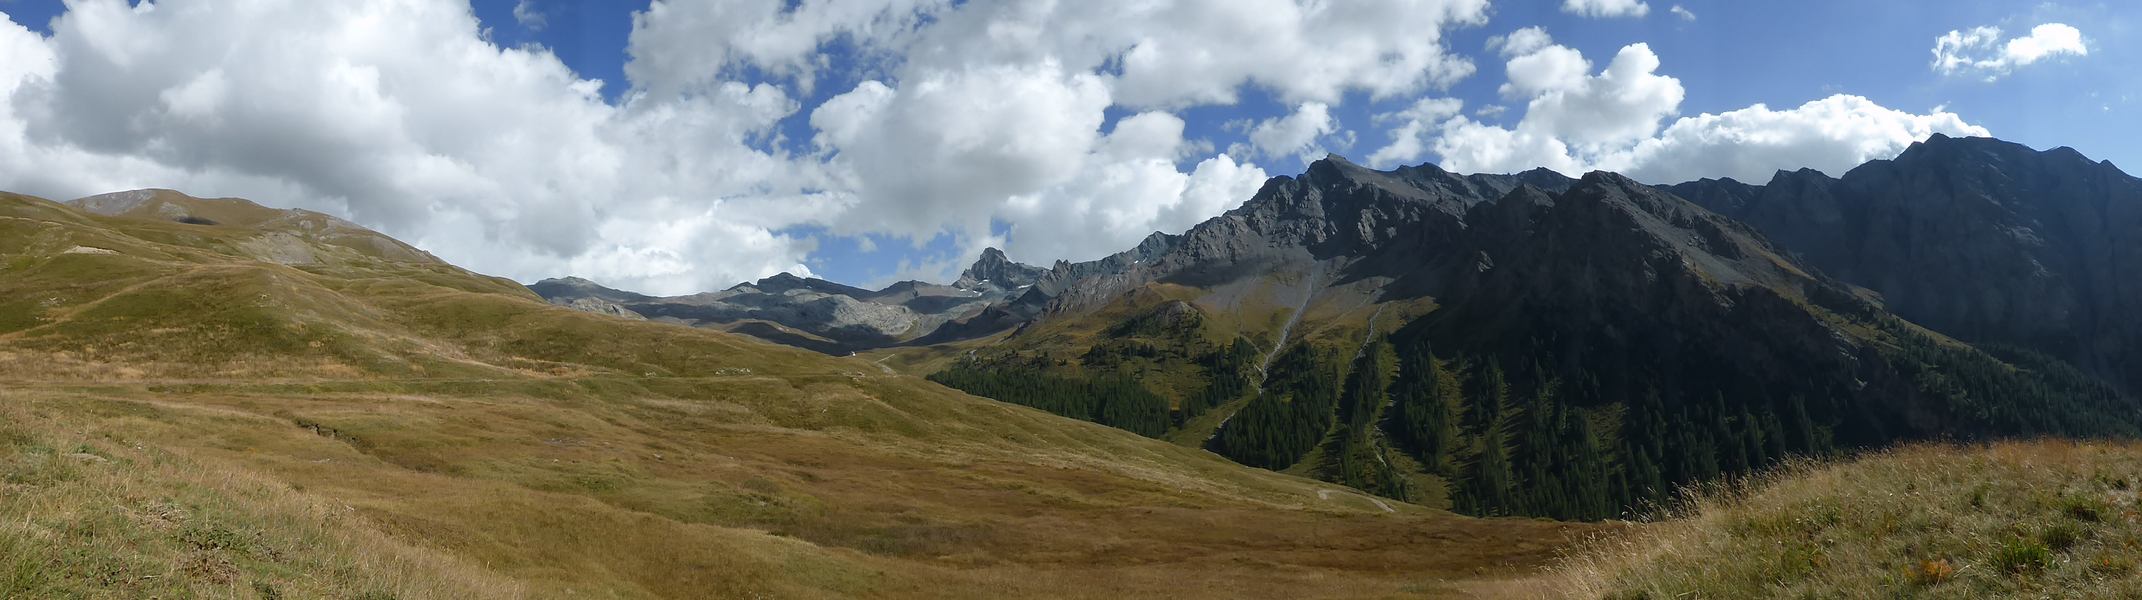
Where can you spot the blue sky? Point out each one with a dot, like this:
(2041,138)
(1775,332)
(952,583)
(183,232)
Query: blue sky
(761,182)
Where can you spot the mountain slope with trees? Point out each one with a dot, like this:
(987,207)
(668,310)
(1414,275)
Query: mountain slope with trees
(1569,348)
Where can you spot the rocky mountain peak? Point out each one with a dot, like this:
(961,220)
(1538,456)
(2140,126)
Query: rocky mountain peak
(994,267)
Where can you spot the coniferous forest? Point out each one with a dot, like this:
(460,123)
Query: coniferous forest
(1112,401)
(1543,424)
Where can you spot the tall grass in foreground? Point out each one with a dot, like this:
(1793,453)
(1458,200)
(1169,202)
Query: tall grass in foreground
(96,517)
(2042,519)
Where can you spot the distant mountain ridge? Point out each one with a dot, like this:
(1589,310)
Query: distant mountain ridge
(1286,225)
(1985,240)
(817,314)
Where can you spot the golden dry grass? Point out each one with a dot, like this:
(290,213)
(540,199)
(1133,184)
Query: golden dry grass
(374,428)
(2041,519)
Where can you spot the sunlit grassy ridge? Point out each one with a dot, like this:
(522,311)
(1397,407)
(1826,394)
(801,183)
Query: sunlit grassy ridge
(2048,519)
(247,409)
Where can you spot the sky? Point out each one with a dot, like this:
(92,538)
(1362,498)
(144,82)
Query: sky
(676,146)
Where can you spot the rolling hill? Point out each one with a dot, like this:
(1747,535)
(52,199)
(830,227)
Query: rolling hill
(211,398)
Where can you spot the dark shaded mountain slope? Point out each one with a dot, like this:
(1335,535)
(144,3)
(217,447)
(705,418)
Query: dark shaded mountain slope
(1570,349)
(1984,240)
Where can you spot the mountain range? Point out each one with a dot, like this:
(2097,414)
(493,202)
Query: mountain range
(1968,287)
(1290,391)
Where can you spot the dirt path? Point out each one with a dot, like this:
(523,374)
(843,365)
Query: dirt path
(1325,495)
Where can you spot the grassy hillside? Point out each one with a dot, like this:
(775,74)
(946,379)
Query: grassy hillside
(2046,519)
(238,406)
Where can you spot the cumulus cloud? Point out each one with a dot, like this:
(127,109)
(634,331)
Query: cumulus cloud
(1831,135)
(982,114)
(1980,50)
(1410,130)
(1169,53)
(1619,120)
(1571,116)
(1128,188)
(995,112)
(530,16)
(970,118)
(1538,66)
(1682,12)
(1295,134)
(947,148)
(497,158)
(679,44)
(1185,52)
(1606,8)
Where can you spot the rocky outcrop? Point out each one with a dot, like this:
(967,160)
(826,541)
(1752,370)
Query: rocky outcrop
(1358,222)
(996,269)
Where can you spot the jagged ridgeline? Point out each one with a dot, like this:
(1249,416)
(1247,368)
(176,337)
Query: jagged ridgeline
(1537,345)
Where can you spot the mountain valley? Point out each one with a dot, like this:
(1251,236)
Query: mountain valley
(1460,341)
(1359,383)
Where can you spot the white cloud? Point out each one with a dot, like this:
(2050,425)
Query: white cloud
(1606,8)
(1612,121)
(1520,42)
(530,16)
(1414,126)
(680,44)
(1980,51)
(1621,104)
(971,116)
(1295,134)
(1831,135)
(1174,53)
(992,112)
(1128,189)
(500,159)
(1470,147)
(1538,66)
(1166,53)
(1682,12)
(947,148)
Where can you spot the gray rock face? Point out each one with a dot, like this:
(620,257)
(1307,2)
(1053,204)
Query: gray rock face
(1362,221)
(1985,240)
(994,268)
